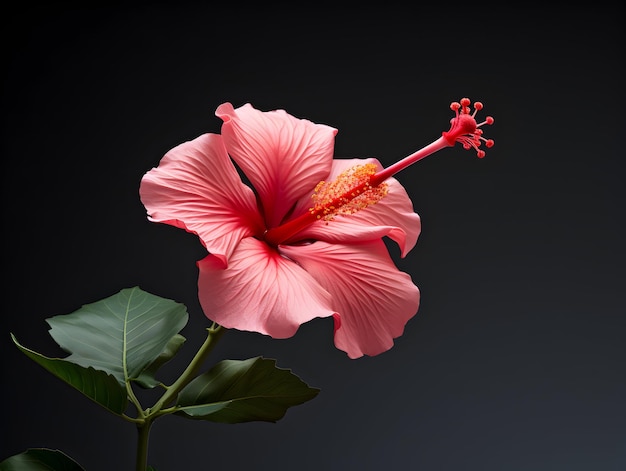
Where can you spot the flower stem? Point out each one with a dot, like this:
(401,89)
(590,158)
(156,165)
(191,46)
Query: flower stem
(215,332)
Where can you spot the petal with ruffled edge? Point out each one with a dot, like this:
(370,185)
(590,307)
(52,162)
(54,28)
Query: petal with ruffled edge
(392,216)
(283,157)
(197,188)
(373,300)
(260,291)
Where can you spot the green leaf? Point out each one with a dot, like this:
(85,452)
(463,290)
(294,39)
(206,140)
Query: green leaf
(236,391)
(122,334)
(97,385)
(147,377)
(40,459)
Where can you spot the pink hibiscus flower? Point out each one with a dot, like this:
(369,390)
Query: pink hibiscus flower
(304,239)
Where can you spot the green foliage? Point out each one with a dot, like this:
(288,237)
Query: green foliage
(40,459)
(236,391)
(147,377)
(122,334)
(98,386)
(124,337)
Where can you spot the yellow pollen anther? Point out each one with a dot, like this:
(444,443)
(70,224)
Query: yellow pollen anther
(350,192)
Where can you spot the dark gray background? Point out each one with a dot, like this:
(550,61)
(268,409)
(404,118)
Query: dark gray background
(515,360)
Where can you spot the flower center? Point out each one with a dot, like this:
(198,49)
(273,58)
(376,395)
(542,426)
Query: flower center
(350,192)
(361,186)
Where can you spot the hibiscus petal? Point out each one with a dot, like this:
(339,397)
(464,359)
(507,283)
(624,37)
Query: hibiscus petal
(197,188)
(283,157)
(372,298)
(260,291)
(392,216)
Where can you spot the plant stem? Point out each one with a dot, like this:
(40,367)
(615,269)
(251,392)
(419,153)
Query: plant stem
(192,369)
(143,426)
(143,438)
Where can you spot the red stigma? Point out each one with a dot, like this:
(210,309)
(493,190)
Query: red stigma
(464,128)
